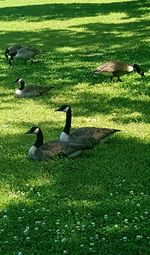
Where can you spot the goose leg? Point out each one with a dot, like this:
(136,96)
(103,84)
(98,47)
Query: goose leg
(119,79)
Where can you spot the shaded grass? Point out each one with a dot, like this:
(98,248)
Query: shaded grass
(97,203)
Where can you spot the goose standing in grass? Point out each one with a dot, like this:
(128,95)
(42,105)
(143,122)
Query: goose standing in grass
(21,52)
(85,135)
(117,69)
(30,90)
(45,151)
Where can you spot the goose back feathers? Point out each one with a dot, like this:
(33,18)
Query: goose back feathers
(31,90)
(20,52)
(86,135)
(117,69)
(45,151)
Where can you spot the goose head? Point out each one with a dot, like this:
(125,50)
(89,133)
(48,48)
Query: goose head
(63,108)
(34,130)
(138,70)
(21,82)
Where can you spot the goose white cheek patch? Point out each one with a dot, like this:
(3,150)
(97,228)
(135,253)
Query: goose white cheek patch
(66,109)
(36,130)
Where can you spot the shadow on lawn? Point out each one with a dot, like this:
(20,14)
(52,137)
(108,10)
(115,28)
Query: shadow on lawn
(67,11)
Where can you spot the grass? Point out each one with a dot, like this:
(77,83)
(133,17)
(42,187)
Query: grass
(98,203)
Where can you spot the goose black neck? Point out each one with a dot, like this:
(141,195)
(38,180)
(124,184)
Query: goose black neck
(22,83)
(39,139)
(68,122)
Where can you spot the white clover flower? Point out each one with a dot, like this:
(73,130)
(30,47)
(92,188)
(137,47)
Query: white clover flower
(116,225)
(91,244)
(36,229)
(66,226)
(5,217)
(105,216)
(82,245)
(65,252)
(118,213)
(146,212)
(126,221)
(93,224)
(64,240)
(138,237)
(19,253)
(124,238)
(15,237)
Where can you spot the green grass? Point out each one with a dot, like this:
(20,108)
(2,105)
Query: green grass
(98,203)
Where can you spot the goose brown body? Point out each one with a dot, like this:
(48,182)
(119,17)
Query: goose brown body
(51,149)
(117,69)
(85,135)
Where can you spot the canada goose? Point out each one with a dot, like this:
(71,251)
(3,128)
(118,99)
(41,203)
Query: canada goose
(30,90)
(21,52)
(117,69)
(85,135)
(51,149)
(11,51)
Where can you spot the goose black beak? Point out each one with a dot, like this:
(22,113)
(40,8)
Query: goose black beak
(28,132)
(58,110)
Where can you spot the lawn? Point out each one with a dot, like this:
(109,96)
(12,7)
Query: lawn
(98,203)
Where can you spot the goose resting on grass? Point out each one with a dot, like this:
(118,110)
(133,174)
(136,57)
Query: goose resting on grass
(31,90)
(83,135)
(117,68)
(45,151)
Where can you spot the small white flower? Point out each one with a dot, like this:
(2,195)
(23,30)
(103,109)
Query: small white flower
(105,216)
(31,189)
(27,238)
(93,224)
(138,237)
(91,244)
(66,226)
(36,229)
(116,225)
(19,253)
(126,221)
(82,245)
(64,240)
(65,252)
(5,217)
(15,237)
(124,238)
